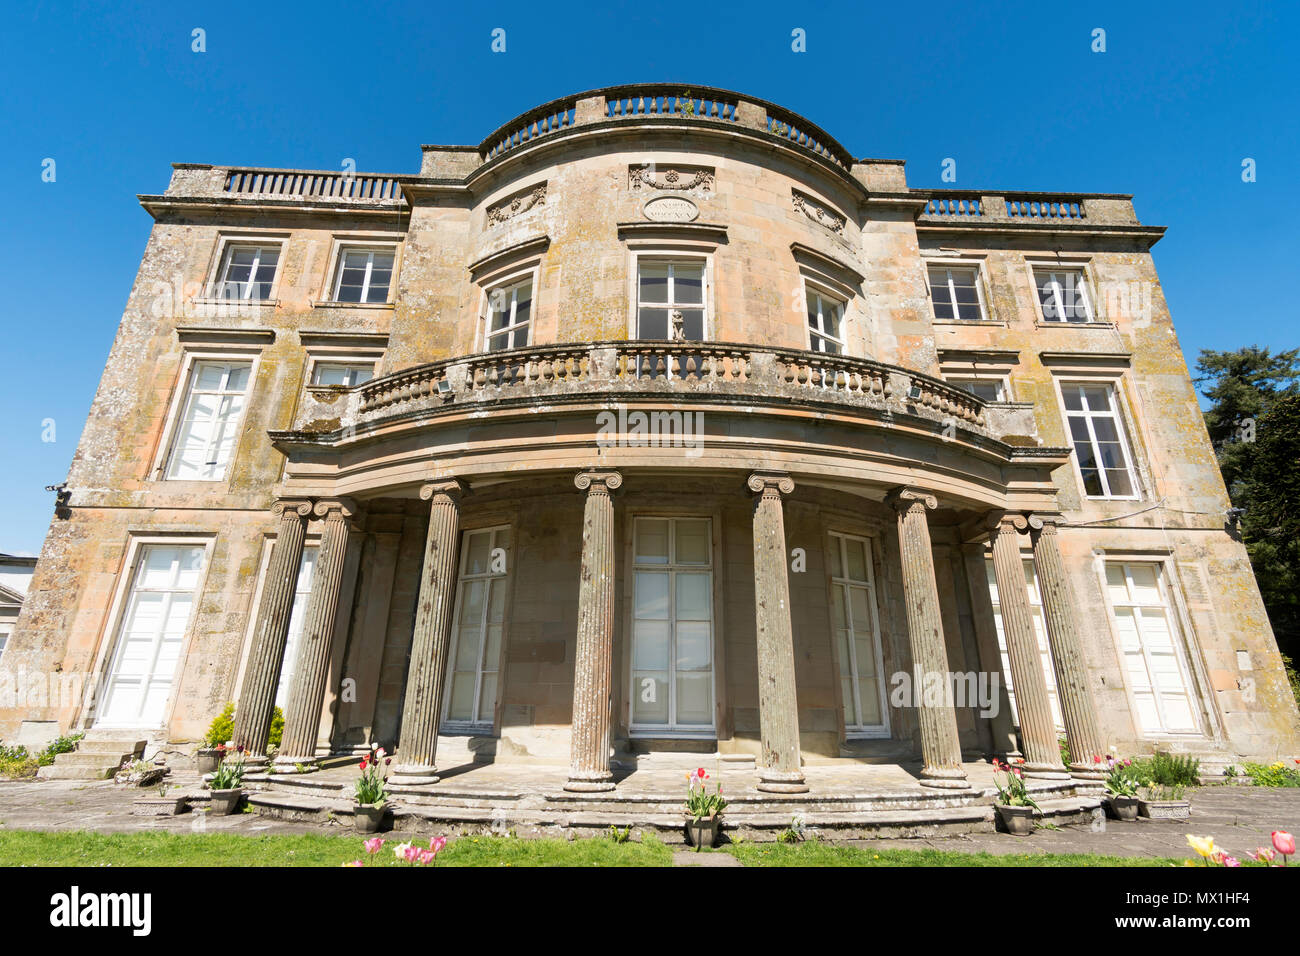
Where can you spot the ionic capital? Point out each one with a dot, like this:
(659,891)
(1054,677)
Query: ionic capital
(770,484)
(452,488)
(288,507)
(344,509)
(909,499)
(1008,522)
(1045,523)
(598,482)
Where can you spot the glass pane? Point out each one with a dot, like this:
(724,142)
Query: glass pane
(650,645)
(652,595)
(870,698)
(331,374)
(1073,401)
(695,698)
(653,324)
(693,324)
(692,541)
(653,282)
(835,556)
(650,698)
(688,283)
(693,596)
(487,699)
(652,541)
(857,558)
(693,651)
(467,647)
(461,706)
(1121,485)
(471,606)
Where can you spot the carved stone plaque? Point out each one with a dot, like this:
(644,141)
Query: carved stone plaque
(670,209)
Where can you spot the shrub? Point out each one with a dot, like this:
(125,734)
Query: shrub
(277,730)
(16,762)
(1167,770)
(222,728)
(59,745)
(1275,774)
(1065,750)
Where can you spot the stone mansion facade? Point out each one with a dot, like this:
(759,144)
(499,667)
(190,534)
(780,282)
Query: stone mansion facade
(654,422)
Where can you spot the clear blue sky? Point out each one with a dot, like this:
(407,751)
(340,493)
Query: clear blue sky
(114,94)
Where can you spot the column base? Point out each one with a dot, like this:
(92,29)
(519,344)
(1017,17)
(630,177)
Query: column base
(1089,771)
(256,763)
(294,765)
(944,778)
(589,781)
(781,781)
(1045,771)
(414,775)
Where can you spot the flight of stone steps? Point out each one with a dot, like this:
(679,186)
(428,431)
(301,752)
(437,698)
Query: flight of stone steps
(98,756)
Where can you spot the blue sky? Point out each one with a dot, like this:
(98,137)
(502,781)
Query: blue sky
(114,94)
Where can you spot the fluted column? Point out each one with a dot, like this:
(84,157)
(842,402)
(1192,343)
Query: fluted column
(311,670)
(256,704)
(417,743)
(593,673)
(1082,729)
(1037,728)
(780,768)
(931,679)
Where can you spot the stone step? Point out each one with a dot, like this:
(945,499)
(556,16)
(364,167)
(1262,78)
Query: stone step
(119,745)
(63,770)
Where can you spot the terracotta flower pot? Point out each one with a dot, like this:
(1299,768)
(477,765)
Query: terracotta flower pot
(1018,821)
(207,759)
(224,802)
(368,817)
(1122,807)
(702,833)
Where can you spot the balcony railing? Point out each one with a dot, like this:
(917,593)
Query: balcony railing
(247,183)
(691,370)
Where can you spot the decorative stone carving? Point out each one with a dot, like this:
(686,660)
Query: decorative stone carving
(516,205)
(670,179)
(818,213)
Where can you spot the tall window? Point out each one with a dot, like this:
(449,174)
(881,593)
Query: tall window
(340,373)
(364,275)
(248,272)
(164,583)
(214,402)
(1062,295)
(825,323)
(1040,635)
(1149,643)
(857,635)
(672,625)
(510,312)
(1097,433)
(664,287)
(474,658)
(297,616)
(955,292)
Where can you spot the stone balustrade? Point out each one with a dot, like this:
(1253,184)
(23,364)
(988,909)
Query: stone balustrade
(693,371)
(1062,209)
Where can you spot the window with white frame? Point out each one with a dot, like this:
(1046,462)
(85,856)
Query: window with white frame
(1040,635)
(988,389)
(4,639)
(248,271)
(825,322)
(364,275)
(297,616)
(509,315)
(1150,645)
(215,396)
(672,625)
(1100,445)
(1063,295)
(955,292)
(474,658)
(342,373)
(857,636)
(667,286)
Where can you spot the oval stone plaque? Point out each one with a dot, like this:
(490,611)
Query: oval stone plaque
(670,209)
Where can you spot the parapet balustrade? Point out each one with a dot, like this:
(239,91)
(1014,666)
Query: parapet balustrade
(248,183)
(690,371)
(969,206)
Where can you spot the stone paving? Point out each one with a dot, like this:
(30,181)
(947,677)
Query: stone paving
(1239,818)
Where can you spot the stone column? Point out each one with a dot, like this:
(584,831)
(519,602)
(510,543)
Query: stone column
(1082,729)
(931,679)
(593,672)
(1037,728)
(256,703)
(780,769)
(307,691)
(417,743)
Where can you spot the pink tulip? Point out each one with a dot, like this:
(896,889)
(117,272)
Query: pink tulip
(412,854)
(426,857)
(1283,842)
(1231,861)
(373,845)
(437,843)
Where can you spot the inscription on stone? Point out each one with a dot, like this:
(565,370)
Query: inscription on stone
(670,209)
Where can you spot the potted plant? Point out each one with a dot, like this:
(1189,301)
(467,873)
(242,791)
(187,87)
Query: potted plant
(703,810)
(160,806)
(368,814)
(226,785)
(215,741)
(1015,807)
(1121,789)
(1159,802)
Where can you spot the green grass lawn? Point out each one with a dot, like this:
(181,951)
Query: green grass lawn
(825,854)
(81,848)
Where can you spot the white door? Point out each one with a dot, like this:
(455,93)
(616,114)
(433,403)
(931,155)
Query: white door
(163,591)
(857,637)
(474,658)
(672,626)
(297,617)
